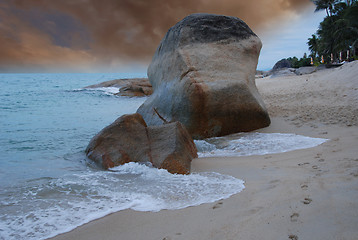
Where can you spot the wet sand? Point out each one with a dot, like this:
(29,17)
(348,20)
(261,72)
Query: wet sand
(303,194)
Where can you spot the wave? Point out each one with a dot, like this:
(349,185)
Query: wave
(106,90)
(246,144)
(50,206)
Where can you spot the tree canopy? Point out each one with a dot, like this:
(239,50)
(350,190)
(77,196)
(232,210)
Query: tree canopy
(338,32)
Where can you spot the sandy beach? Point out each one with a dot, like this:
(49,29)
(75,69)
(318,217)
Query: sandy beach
(303,194)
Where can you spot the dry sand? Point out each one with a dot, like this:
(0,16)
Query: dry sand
(304,194)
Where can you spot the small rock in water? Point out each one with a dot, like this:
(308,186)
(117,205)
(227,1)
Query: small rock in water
(128,139)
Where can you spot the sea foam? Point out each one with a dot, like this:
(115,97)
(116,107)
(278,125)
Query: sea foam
(246,144)
(106,90)
(52,206)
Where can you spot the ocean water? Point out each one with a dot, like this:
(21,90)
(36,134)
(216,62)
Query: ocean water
(48,186)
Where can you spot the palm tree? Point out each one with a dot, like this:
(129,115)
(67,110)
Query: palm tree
(313,45)
(325,4)
(347,30)
(348,2)
(327,41)
(338,32)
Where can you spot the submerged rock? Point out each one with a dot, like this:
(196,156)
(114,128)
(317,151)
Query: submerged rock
(203,75)
(128,139)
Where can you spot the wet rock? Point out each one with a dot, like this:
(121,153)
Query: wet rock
(129,139)
(125,140)
(172,147)
(132,87)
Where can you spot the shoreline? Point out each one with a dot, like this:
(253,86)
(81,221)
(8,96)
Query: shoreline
(302,194)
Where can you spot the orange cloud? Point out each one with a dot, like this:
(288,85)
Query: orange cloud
(70,34)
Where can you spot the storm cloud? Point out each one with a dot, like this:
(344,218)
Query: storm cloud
(82,34)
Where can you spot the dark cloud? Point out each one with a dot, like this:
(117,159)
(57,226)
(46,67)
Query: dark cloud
(91,32)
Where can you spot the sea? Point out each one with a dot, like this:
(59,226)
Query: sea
(48,186)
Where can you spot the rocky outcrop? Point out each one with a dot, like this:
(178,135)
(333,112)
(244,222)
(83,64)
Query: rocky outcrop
(283,63)
(136,90)
(286,72)
(283,72)
(203,75)
(132,87)
(128,139)
(305,70)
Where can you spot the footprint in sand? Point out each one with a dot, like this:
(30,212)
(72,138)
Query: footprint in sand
(307,201)
(219,204)
(293,237)
(304,186)
(302,164)
(294,217)
(318,155)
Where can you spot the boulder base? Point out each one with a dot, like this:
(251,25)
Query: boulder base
(128,139)
(203,75)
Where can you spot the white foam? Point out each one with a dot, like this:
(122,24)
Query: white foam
(105,90)
(246,144)
(110,90)
(54,206)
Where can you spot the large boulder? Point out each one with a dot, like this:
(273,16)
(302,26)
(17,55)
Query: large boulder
(283,63)
(128,139)
(203,75)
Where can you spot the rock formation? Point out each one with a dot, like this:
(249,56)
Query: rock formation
(128,139)
(203,75)
(132,87)
(305,70)
(283,63)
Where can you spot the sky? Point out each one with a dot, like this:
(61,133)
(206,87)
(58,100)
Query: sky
(290,39)
(122,35)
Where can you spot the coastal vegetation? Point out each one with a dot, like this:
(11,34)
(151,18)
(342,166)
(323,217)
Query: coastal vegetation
(302,62)
(336,39)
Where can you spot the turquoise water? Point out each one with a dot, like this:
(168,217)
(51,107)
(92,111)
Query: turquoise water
(47,184)
(46,118)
